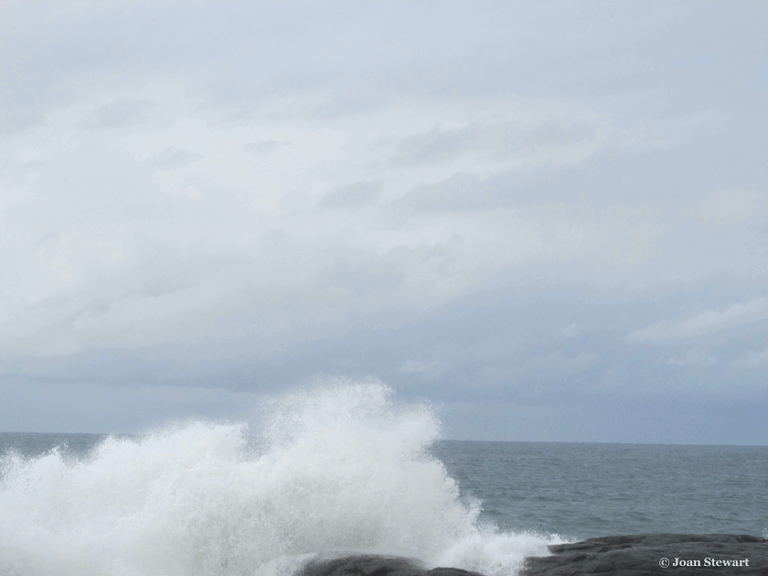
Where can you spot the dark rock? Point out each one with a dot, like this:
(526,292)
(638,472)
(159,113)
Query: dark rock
(370,565)
(640,555)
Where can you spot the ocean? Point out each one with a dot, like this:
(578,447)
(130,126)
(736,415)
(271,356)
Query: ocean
(340,470)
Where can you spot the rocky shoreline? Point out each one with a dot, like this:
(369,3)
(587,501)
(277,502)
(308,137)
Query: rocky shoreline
(637,555)
(669,554)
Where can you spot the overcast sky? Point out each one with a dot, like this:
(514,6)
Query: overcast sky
(549,219)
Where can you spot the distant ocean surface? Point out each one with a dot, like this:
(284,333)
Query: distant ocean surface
(582,491)
(206,498)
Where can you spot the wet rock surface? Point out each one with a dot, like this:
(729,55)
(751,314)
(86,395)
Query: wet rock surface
(659,554)
(638,555)
(371,565)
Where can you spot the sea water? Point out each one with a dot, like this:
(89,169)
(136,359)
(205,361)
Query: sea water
(581,491)
(345,469)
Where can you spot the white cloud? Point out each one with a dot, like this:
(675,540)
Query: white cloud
(707,322)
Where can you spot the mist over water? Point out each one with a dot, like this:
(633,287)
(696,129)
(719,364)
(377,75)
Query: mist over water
(337,469)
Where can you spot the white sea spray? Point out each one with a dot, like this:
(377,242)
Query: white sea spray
(337,469)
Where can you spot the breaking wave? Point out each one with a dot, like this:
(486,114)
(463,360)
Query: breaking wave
(333,470)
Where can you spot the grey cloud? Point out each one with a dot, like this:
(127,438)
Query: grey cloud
(707,322)
(264,146)
(464,192)
(492,346)
(753,359)
(499,346)
(555,133)
(459,192)
(46,64)
(544,336)
(426,369)
(696,357)
(499,140)
(695,421)
(119,111)
(172,158)
(18,117)
(732,206)
(352,102)
(434,146)
(501,51)
(556,365)
(631,175)
(45,406)
(356,195)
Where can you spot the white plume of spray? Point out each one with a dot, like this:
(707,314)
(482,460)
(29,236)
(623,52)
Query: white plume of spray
(334,470)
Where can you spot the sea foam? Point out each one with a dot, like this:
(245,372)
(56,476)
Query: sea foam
(334,470)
